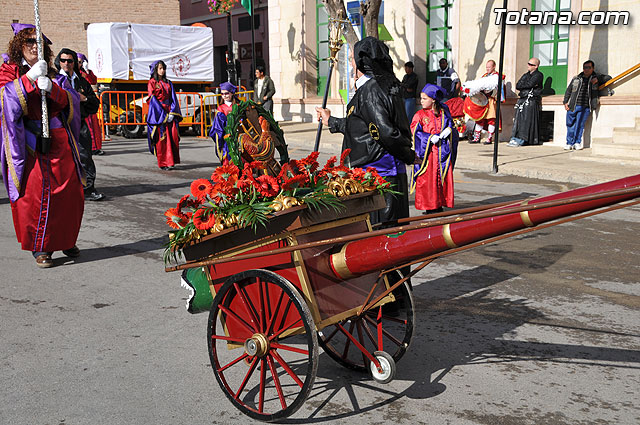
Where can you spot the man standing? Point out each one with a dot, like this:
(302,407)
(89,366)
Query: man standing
(409,88)
(376,128)
(264,89)
(580,98)
(526,123)
(67,64)
(448,79)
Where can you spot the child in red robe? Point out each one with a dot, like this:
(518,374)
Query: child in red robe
(436,142)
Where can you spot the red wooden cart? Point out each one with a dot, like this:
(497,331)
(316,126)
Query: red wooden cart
(329,279)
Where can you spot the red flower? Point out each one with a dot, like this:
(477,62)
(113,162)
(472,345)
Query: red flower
(175,219)
(295,181)
(244,184)
(358,174)
(285,172)
(344,156)
(226,173)
(267,186)
(330,163)
(201,188)
(204,219)
(226,188)
(380,181)
(186,202)
(310,163)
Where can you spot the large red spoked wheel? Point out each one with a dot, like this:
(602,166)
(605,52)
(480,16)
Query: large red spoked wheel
(262,344)
(388,328)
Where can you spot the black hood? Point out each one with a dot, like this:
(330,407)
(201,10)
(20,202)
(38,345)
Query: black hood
(372,58)
(73,54)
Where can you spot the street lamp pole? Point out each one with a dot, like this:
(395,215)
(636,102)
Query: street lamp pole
(500,69)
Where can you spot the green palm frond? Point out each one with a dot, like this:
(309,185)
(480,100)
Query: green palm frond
(252,214)
(320,199)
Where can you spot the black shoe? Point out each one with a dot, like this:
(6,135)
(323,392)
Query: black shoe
(98,152)
(72,252)
(93,196)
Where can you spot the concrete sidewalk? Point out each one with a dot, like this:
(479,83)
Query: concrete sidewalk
(545,161)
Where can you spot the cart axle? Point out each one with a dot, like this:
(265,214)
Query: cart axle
(257,345)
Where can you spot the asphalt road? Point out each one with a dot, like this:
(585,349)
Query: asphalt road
(542,328)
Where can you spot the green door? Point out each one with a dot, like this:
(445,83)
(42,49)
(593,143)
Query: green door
(550,44)
(438,32)
(322,36)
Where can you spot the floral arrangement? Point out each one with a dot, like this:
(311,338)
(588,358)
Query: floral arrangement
(221,6)
(245,198)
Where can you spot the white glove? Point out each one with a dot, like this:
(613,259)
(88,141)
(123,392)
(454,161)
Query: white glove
(445,133)
(170,118)
(435,139)
(85,66)
(37,70)
(45,84)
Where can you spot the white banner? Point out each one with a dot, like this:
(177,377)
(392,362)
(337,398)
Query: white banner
(107,50)
(187,51)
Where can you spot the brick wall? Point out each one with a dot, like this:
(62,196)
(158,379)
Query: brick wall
(63,22)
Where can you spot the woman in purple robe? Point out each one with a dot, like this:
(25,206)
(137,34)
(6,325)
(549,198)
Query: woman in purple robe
(163,118)
(44,180)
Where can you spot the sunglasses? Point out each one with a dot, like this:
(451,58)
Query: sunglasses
(531,64)
(66,60)
(30,41)
(225,93)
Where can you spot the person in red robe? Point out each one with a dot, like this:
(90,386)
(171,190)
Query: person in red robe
(482,108)
(436,142)
(43,179)
(163,118)
(92,120)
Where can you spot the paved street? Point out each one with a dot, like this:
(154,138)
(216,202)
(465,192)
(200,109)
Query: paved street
(543,328)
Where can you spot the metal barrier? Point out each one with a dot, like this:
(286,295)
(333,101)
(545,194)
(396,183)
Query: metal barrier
(128,110)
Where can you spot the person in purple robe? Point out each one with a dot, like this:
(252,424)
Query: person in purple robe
(43,178)
(227,92)
(436,142)
(163,118)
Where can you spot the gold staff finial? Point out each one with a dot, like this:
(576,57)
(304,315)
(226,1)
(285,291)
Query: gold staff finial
(336,29)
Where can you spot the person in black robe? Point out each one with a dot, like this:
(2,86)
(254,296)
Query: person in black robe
(376,128)
(526,123)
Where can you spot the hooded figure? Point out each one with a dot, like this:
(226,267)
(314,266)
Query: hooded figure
(376,128)
(163,117)
(435,141)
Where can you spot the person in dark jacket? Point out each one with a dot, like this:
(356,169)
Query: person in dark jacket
(67,64)
(526,123)
(409,89)
(263,89)
(580,99)
(376,128)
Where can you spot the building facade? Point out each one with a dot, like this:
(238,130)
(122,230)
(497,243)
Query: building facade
(465,33)
(197,11)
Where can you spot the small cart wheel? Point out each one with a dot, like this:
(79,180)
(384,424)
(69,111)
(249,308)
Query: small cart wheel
(388,328)
(387,370)
(262,344)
